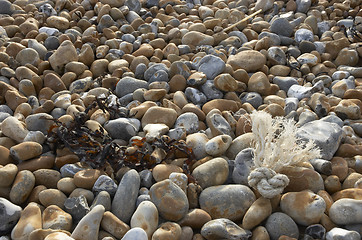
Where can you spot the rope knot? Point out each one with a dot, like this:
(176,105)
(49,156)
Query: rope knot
(267,181)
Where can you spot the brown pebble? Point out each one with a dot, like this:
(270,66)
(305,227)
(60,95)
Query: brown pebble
(5,157)
(42,162)
(86,178)
(26,150)
(332,184)
(339,168)
(49,197)
(221,104)
(7,174)
(47,177)
(34,195)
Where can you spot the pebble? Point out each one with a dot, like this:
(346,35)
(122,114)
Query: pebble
(168,230)
(189,121)
(25,151)
(49,197)
(328,137)
(258,212)
(340,233)
(86,178)
(223,228)
(196,39)
(195,218)
(145,217)
(170,67)
(346,211)
(122,128)
(279,224)
(249,60)
(163,171)
(14,129)
(301,178)
(259,83)
(114,225)
(10,214)
(218,145)
(65,53)
(157,114)
(170,200)
(88,227)
(231,204)
(124,201)
(29,221)
(305,208)
(77,207)
(211,65)
(47,177)
(129,85)
(55,218)
(8,174)
(135,234)
(104,183)
(23,185)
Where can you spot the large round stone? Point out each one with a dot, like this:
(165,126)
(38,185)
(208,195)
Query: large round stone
(227,201)
(170,200)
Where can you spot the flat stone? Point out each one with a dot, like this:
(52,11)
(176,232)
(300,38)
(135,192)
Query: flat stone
(226,201)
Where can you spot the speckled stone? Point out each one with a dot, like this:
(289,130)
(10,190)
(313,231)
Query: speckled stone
(170,200)
(226,201)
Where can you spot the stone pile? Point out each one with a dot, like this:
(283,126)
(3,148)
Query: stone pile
(169,68)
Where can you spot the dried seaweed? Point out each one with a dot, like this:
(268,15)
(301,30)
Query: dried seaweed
(97,148)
